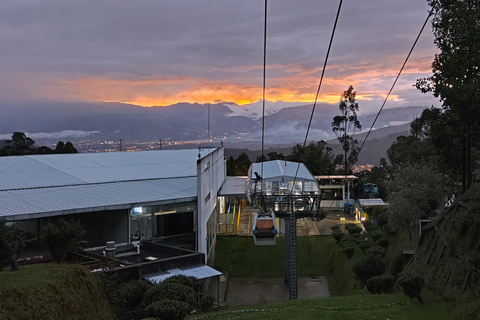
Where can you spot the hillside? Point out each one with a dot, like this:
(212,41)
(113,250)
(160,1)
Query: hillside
(52,291)
(448,256)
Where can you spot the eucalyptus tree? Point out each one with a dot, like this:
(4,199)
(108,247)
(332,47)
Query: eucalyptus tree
(345,126)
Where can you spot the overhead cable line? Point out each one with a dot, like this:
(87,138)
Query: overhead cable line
(319,85)
(263,98)
(396,79)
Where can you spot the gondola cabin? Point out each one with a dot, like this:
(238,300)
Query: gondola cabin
(264,229)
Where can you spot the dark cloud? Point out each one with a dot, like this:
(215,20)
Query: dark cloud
(48,44)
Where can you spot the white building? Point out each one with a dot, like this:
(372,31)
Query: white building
(122,197)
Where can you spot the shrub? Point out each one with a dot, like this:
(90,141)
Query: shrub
(183,280)
(375,250)
(364,245)
(367,224)
(61,237)
(368,266)
(379,284)
(377,236)
(335,227)
(167,309)
(206,304)
(170,291)
(371,229)
(349,225)
(349,250)
(356,235)
(383,242)
(337,235)
(355,229)
(412,286)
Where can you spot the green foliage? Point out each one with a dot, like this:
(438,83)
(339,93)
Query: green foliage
(364,246)
(12,242)
(377,236)
(380,284)
(383,242)
(52,291)
(126,298)
(238,166)
(335,227)
(61,237)
(355,229)
(171,291)
(376,251)
(316,156)
(206,304)
(412,286)
(337,235)
(22,145)
(183,280)
(414,191)
(368,266)
(345,125)
(167,309)
(349,250)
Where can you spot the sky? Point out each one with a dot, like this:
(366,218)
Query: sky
(161,52)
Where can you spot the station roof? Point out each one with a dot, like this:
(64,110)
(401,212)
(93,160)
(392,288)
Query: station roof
(275,169)
(234,186)
(46,185)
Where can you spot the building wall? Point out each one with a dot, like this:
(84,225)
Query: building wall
(210,177)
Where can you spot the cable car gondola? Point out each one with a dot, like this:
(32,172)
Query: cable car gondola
(265,229)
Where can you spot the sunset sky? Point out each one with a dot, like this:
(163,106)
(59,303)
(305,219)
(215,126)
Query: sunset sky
(156,52)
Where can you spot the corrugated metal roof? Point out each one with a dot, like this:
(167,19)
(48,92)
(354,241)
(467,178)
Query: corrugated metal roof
(233,186)
(47,185)
(20,172)
(278,168)
(199,272)
(21,204)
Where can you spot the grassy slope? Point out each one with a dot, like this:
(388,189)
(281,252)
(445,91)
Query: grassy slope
(315,256)
(387,306)
(241,258)
(52,291)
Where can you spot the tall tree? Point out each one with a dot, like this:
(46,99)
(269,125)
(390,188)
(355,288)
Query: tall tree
(344,126)
(456,71)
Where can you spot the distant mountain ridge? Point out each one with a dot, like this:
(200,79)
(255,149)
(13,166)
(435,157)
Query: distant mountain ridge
(181,121)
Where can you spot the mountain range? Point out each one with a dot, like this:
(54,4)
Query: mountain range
(189,122)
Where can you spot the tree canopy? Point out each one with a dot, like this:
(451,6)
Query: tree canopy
(456,73)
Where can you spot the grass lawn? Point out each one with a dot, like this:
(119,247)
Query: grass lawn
(241,258)
(386,306)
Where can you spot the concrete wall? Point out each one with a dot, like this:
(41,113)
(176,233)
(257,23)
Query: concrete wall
(211,173)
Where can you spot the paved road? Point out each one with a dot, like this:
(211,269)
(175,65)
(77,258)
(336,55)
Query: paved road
(248,291)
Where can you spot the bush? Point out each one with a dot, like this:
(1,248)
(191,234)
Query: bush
(368,266)
(335,227)
(383,242)
(206,304)
(337,235)
(367,224)
(375,250)
(61,237)
(355,229)
(364,245)
(412,286)
(356,235)
(183,280)
(371,229)
(380,284)
(170,291)
(349,225)
(167,309)
(377,236)
(349,250)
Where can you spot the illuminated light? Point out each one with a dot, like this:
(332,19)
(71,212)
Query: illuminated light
(137,210)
